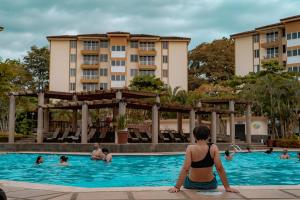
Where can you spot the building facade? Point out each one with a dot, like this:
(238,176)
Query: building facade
(280,41)
(103,61)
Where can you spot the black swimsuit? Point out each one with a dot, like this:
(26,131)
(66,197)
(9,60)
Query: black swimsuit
(206,162)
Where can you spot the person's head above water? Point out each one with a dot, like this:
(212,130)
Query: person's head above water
(63,159)
(227,153)
(105,151)
(285,151)
(39,160)
(96,146)
(201,133)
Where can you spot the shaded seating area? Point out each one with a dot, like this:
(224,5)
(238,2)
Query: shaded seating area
(119,100)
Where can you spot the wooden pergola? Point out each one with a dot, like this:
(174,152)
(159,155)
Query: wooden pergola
(119,100)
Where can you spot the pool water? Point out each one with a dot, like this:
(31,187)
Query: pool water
(131,171)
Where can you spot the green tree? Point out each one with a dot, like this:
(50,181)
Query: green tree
(211,62)
(36,62)
(147,83)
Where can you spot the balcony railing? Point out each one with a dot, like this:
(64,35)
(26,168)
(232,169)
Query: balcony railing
(270,56)
(89,66)
(89,78)
(147,65)
(90,51)
(271,42)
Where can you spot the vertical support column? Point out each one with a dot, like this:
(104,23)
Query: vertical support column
(12,119)
(40,125)
(84,121)
(214,127)
(155,125)
(74,120)
(192,125)
(232,122)
(218,124)
(179,122)
(248,124)
(46,120)
(199,105)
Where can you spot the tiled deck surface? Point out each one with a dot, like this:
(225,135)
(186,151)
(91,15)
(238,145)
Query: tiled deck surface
(21,193)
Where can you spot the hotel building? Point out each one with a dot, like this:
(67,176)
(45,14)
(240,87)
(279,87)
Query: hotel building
(103,61)
(280,41)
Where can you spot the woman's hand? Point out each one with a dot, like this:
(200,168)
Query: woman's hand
(229,189)
(174,190)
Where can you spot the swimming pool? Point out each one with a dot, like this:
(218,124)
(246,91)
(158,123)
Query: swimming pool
(132,171)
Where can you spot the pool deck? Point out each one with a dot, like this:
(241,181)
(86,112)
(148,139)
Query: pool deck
(29,191)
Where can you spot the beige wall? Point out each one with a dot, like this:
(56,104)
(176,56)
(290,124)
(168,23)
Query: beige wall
(243,55)
(178,64)
(59,66)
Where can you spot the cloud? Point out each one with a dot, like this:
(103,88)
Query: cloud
(28,22)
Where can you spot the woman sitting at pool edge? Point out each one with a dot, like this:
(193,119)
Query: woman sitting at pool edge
(197,171)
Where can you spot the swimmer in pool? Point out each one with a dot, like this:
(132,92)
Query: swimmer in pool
(107,155)
(39,160)
(285,154)
(63,161)
(97,153)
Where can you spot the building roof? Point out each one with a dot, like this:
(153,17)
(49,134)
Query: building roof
(251,32)
(99,35)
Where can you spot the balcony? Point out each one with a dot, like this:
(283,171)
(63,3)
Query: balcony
(118,69)
(270,57)
(147,66)
(90,51)
(89,79)
(270,42)
(147,52)
(89,65)
(118,84)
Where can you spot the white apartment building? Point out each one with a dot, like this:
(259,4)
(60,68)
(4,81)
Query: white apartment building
(280,41)
(102,61)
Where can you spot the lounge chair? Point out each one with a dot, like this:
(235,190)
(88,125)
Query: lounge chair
(65,135)
(103,132)
(133,137)
(54,136)
(142,136)
(75,137)
(163,138)
(91,134)
(175,136)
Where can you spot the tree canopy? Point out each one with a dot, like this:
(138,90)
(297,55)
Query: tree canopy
(147,83)
(211,62)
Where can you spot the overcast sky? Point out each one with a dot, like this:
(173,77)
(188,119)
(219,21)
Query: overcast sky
(28,22)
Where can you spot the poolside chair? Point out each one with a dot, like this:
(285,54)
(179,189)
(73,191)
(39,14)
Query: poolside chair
(91,134)
(54,136)
(75,137)
(103,132)
(142,136)
(133,137)
(163,137)
(175,136)
(65,135)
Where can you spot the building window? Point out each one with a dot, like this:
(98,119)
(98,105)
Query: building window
(165,45)
(118,63)
(165,59)
(134,44)
(288,36)
(256,68)
(283,48)
(103,86)
(118,48)
(295,52)
(294,35)
(73,58)
(147,72)
(290,69)
(256,53)
(272,52)
(256,38)
(147,60)
(90,74)
(73,44)
(103,58)
(90,45)
(89,86)
(295,69)
(134,58)
(165,73)
(72,72)
(118,78)
(289,53)
(72,86)
(104,44)
(147,46)
(134,72)
(103,71)
(271,37)
(90,59)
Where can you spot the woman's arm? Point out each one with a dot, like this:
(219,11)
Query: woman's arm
(221,170)
(184,171)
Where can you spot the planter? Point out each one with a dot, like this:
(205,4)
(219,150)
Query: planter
(122,137)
